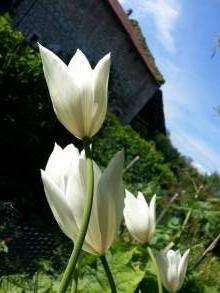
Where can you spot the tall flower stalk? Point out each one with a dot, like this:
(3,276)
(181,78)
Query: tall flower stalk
(159,284)
(75,279)
(85,222)
(108,274)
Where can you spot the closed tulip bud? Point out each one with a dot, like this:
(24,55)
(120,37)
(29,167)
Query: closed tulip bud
(172,268)
(139,217)
(78,92)
(64,181)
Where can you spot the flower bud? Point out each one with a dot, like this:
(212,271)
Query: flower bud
(139,217)
(172,268)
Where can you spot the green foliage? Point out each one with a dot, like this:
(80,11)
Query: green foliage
(127,273)
(188,178)
(150,167)
(27,122)
(40,283)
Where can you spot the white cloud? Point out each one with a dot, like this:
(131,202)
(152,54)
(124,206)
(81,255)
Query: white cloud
(192,131)
(202,153)
(164,14)
(200,168)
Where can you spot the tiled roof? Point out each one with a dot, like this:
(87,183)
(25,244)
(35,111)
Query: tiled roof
(137,42)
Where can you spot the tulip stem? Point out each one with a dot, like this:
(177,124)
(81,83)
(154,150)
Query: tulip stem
(85,221)
(160,289)
(75,280)
(108,274)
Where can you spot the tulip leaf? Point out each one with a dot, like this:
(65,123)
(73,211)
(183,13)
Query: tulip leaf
(127,273)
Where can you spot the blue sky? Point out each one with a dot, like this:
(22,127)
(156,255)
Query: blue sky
(182,35)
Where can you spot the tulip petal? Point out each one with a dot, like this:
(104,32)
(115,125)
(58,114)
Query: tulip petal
(111,200)
(136,215)
(162,266)
(183,267)
(172,270)
(59,163)
(59,207)
(152,215)
(141,200)
(139,217)
(63,91)
(75,193)
(76,186)
(81,73)
(100,80)
(79,65)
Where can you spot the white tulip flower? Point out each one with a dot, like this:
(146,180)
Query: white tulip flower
(172,268)
(64,181)
(78,92)
(139,217)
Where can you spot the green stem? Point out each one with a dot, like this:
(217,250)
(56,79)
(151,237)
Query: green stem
(160,289)
(108,274)
(75,279)
(85,221)
(185,222)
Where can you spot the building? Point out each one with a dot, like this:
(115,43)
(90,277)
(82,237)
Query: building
(97,27)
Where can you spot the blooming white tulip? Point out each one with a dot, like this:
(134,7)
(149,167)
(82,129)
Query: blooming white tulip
(172,268)
(139,217)
(64,182)
(78,92)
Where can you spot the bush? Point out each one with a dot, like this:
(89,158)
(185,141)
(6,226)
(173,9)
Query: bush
(27,123)
(150,167)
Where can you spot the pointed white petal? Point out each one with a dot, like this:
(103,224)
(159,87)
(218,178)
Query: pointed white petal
(178,257)
(138,217)
(172,271)
(81,73)
(183,267)
(152,215)
(141,200)
(79,65)
(71,152)
(76,188)
(64,92)
(162,266)
(100,83)
(75,193)
(111,200)
(130,199)
(53,167)
(60,162)
(59,207)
